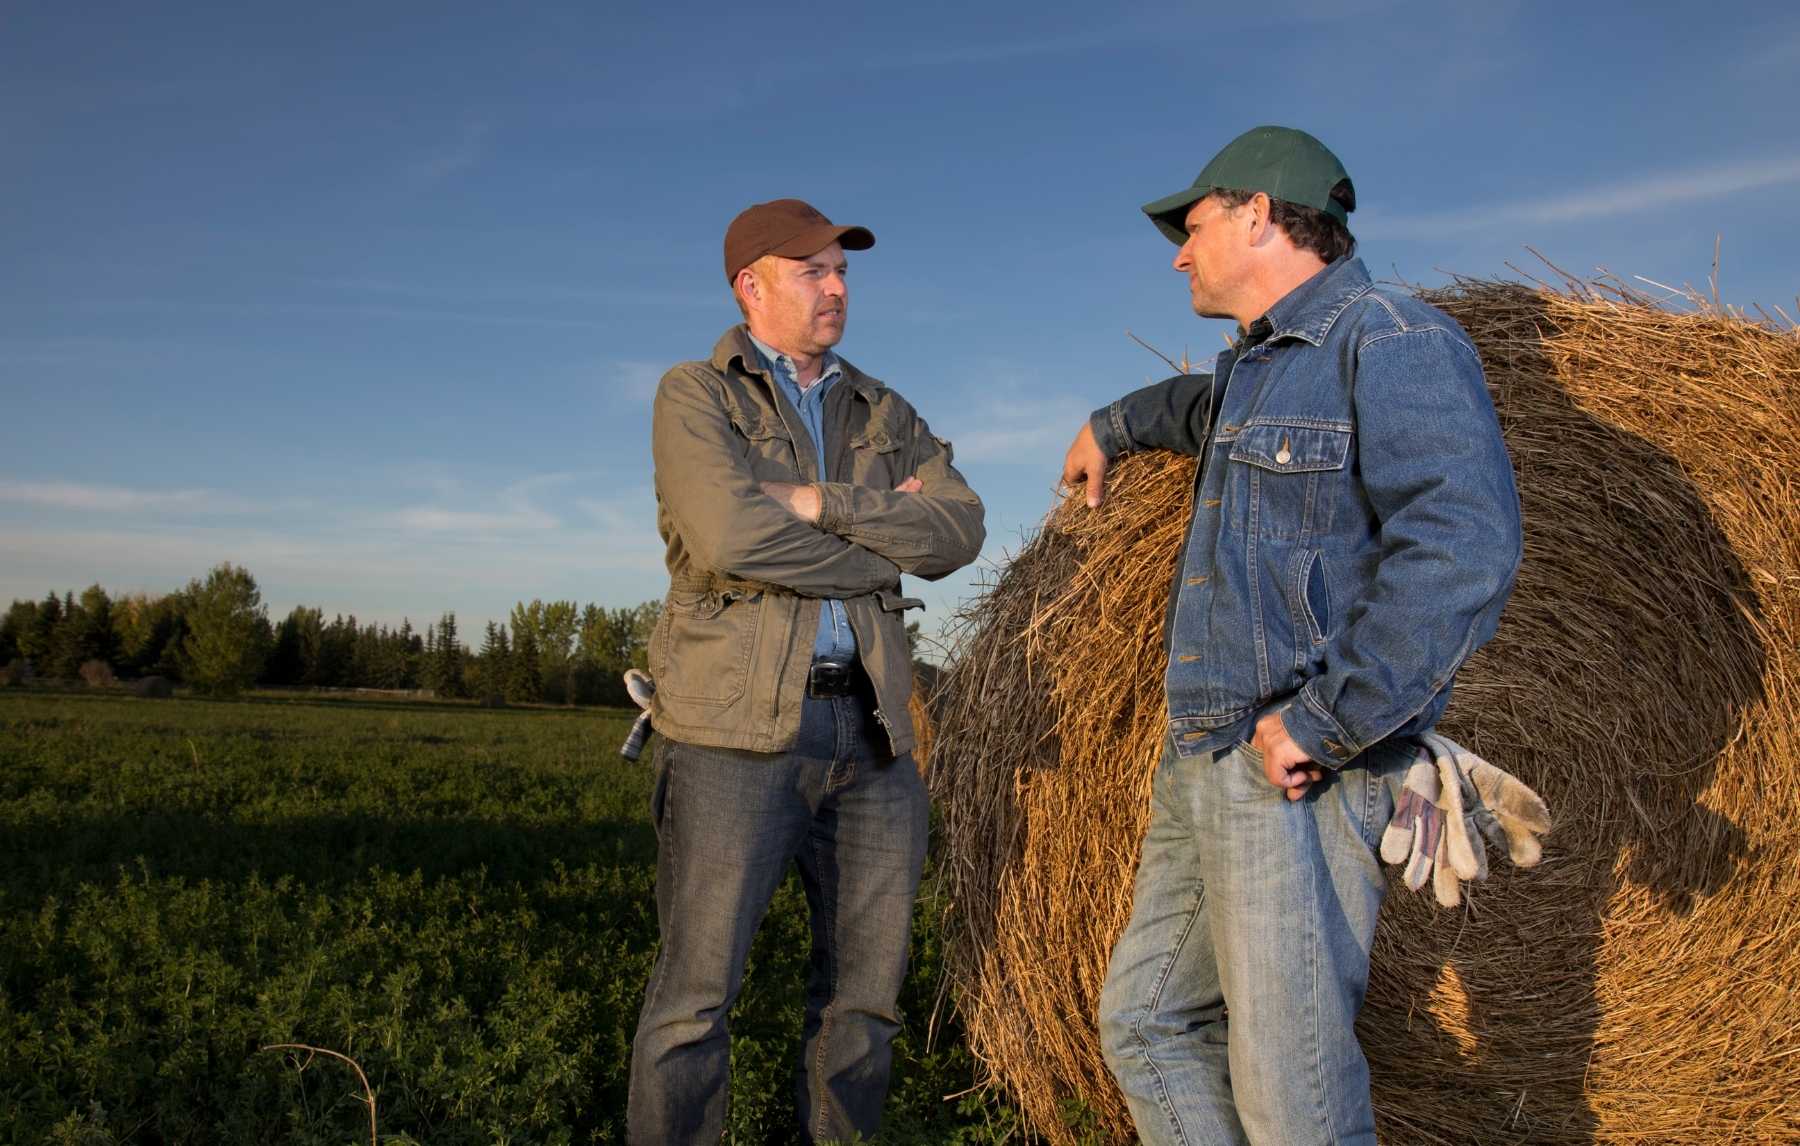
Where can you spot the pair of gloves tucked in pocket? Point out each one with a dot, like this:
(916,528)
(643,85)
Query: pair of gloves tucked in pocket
(1449,803)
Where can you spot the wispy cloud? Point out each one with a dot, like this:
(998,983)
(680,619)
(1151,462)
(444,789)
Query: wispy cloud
(629,513)
(1647,193)
(515,511)
(637,381)
(120,499)
(526,294)
(346,310)
(1002,431)
(462,152)
(1777,54)
(994,52)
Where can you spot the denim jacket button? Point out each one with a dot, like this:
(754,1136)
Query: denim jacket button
(1282,456)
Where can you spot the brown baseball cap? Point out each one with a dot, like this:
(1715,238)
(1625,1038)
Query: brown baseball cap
(790,228)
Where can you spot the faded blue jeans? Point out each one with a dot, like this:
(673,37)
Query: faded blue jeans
(728,823)
(1229,1010)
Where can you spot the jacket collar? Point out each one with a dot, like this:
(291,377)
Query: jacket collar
(735,351)
(1308,311)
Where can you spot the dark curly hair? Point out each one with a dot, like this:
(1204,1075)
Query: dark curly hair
(1308,228)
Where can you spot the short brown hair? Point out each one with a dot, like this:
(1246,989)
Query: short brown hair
(1306,227)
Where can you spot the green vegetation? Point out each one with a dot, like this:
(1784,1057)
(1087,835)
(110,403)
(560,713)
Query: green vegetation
(216,636)
(458,898)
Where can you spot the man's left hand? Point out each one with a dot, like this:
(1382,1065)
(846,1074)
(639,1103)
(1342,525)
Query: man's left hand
(1285,764)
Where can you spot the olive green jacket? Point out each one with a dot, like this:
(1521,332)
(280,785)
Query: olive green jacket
(731,649)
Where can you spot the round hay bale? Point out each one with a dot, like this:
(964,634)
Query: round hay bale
(153,688)
(1643,984)
(926,678)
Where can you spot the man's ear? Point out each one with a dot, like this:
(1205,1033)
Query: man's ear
(1256,211)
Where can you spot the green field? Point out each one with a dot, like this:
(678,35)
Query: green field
(458,898)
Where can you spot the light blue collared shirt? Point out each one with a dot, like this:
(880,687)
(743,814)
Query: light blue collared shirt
(835,639)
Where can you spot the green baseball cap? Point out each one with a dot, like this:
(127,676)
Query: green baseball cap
(1281,162)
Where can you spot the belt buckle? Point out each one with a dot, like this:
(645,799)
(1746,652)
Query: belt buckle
(829,678)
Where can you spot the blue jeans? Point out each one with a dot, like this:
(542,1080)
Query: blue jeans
(1229,1010)
(727,824)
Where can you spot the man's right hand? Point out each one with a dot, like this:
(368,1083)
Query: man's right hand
(1085,464)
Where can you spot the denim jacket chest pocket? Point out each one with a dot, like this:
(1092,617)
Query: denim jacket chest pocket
(1287,477)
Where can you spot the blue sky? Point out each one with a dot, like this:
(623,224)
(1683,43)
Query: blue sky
(372,298)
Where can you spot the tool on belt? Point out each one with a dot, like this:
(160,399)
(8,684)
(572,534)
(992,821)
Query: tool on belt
(640,688)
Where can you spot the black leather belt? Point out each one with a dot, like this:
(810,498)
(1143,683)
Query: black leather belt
(829,678)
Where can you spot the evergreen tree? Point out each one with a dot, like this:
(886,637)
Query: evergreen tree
(337,650)
(285,666)
(43,634)
(446,677)
(411,652)
(525,682)
(64,658)
(95,638)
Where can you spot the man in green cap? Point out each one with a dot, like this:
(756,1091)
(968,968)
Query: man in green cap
(1355,534)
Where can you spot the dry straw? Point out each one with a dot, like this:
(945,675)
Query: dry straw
(1643,984)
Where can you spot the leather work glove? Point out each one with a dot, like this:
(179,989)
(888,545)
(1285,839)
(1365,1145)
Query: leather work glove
(1481,802)
(1415,834)
(640,688)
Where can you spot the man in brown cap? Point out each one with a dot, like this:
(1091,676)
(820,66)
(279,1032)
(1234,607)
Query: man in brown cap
(792,491)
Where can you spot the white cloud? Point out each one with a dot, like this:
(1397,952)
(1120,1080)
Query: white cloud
(999,51)
(637,381)
(432,519)
(516,512)
(119,499)
(461,153)
(1647,193)
(630,512)
(1032,432)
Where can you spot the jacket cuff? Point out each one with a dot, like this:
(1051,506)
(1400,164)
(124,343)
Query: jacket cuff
(836,512)
(1110,432)
(1318,734)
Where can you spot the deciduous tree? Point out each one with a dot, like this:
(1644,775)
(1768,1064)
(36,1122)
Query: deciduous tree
(228,631)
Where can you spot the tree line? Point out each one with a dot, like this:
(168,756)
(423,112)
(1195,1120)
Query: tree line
(215,635)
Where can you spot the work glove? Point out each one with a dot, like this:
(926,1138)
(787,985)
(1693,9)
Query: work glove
(641,689)
(1478,802)
(1415,834)
(1492,804)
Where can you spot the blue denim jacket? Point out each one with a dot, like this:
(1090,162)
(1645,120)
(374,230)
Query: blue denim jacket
(1355,530)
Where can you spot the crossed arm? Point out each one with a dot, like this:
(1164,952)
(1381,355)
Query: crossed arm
(818,540)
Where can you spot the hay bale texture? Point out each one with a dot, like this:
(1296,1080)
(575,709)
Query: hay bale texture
(1643,984)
